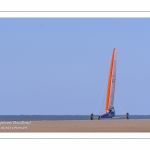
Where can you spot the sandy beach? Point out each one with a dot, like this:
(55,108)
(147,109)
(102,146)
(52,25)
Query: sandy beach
(139,125)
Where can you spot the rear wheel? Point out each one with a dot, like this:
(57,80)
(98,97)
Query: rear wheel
(91,117)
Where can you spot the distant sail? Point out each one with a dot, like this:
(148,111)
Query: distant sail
(111,82)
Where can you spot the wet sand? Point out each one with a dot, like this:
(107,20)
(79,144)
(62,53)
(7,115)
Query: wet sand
(139,125)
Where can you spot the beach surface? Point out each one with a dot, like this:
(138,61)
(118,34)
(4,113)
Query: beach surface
(131,125)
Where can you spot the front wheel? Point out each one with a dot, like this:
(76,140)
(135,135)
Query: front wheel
(127,115)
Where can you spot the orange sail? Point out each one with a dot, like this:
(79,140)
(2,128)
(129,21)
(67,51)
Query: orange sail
(111,80)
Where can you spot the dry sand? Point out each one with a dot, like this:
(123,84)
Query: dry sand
(140,125)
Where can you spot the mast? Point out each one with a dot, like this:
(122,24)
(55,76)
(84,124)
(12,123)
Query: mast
(111,82)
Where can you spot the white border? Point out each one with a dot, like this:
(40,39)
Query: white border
(74,5)
(74,135)
(74,14)
(71,144)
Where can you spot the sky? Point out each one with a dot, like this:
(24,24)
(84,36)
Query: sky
(59,66)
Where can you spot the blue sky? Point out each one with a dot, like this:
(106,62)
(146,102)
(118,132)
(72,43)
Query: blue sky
(60,66)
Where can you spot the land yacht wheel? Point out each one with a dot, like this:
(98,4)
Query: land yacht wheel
(127,115)
(91,117)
